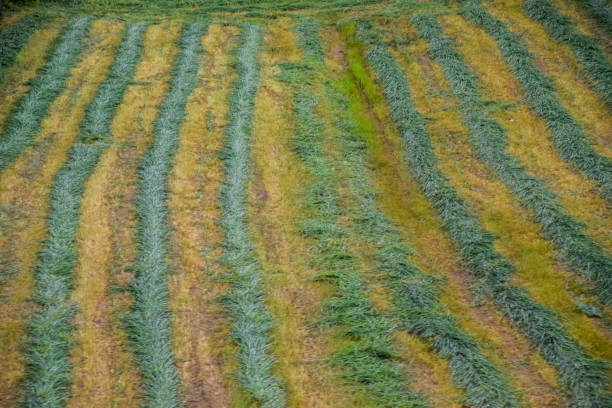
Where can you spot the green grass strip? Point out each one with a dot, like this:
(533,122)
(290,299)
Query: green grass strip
(582,375)
(568,135)
(595,65)
(366,359)
(149,323)
(414,293)
(14,37)
(488,137)
(601,13)
(49,332)
(24,121)
(251,321)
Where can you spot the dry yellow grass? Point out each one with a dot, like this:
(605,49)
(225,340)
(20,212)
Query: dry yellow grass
(528,138)
(16,78)
(558,63)
(275,193)
(583,22)
(25,208)
(10,18)
(196,238)
(518,237)
(400,198)
(425,371)
(104,373)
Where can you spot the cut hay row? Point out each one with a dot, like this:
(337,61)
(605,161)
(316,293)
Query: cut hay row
(415,294)
(14,37)
(489,139)
(583,376)
(149,322)
(568,135)
(367,356)
(27,208)
(195,236)
(601,12)
(24,122)
(251,321)
(595,64)
(47,377)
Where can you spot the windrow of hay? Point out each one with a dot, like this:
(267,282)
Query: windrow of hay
(24,210)
(21,127)
(414,293)
(195,237)
(244,300)
(149,322)
(595,64)
(476,246)
(50,328)
(568,135)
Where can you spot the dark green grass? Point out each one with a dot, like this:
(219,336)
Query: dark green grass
(23,123)
(595,65)
(14,37)
(584,377)
(600,11)
(47,379)
(149,322)
(568,135)
(489,139)
(251,321)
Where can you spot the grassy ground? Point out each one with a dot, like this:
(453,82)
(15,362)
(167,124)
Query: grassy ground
(289,206)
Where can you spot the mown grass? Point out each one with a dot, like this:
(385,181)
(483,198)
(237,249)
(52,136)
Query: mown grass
(583,376)
(244,301)
(28,207)
(149,322)
(595,64)
(414,293)
(489,139)
(277,205)
(528,138)
(17,78)
(568,135)
(24,122)
(497,211)
(47,377)
(199,326)
(601,12)
(366,357)
(14,37)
